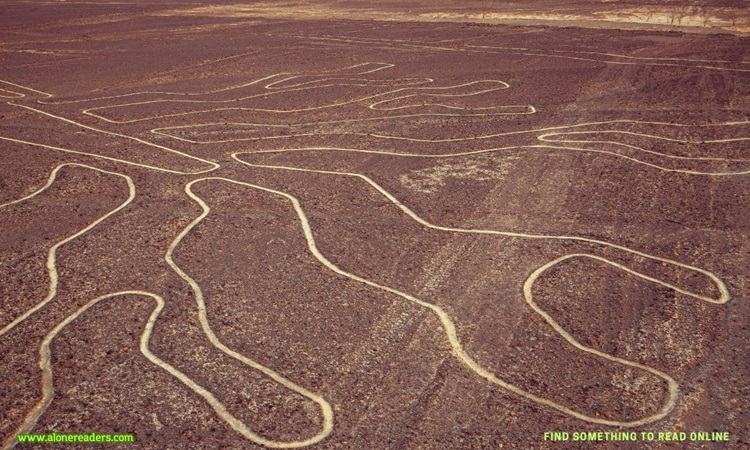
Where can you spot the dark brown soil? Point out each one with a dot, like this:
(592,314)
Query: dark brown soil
(633,137)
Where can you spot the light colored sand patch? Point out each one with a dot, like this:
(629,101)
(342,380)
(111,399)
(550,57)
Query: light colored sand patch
(431,179)
(720,18)
(690,18)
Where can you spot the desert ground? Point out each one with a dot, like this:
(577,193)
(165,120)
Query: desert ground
(375,225)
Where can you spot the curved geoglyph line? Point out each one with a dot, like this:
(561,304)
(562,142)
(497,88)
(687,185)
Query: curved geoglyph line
(548,135)
(589,56)
(24,88)
(524,147)
(544,135)
(47,387)
(213,165)
(51,263)
(527,109)
(449,326)
(325,407)
(5,93)
(273,89)
(556,128)
(48,390)
(271,85)
(724,293)
(412,91)
(561,137)
(285,82)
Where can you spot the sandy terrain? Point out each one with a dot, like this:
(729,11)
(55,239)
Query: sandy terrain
(334,226)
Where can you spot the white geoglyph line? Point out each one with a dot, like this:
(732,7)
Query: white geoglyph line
(724,293)
(47,387)
(545,134)
(52,253)
(615,55)
(5,93)
(528,108)
(639,59)
(43,94)
(94,155)
(284,80)
(564,127)
(325,407)
(213,165)
(449,326)
(635,60)
(48,390)
(287,75)
(529,147)
(302,86)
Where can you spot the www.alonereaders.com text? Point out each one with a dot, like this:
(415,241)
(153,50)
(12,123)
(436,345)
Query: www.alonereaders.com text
(93,438)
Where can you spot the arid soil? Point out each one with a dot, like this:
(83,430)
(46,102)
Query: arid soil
(335,226)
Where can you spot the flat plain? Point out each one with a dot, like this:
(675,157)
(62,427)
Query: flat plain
(340,225)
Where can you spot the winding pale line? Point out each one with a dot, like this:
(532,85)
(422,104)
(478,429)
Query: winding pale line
(275,111)
(724,293)
(51,255)
(48,390)
(616,55)
(94,155)
(445,320)
(213,165)
(396,44)
(5,93)
(214,91)
(546,53)
(325,407)
(450,328)
(564,127)
(515,147)
(26,88)
(545,137)
(185,94)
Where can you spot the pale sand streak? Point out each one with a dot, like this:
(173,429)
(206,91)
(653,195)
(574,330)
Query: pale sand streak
(448,324)
(51,255)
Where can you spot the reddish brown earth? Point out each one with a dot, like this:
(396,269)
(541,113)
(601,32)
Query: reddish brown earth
(623,152)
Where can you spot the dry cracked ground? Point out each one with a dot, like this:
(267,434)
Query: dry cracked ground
(361,225)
